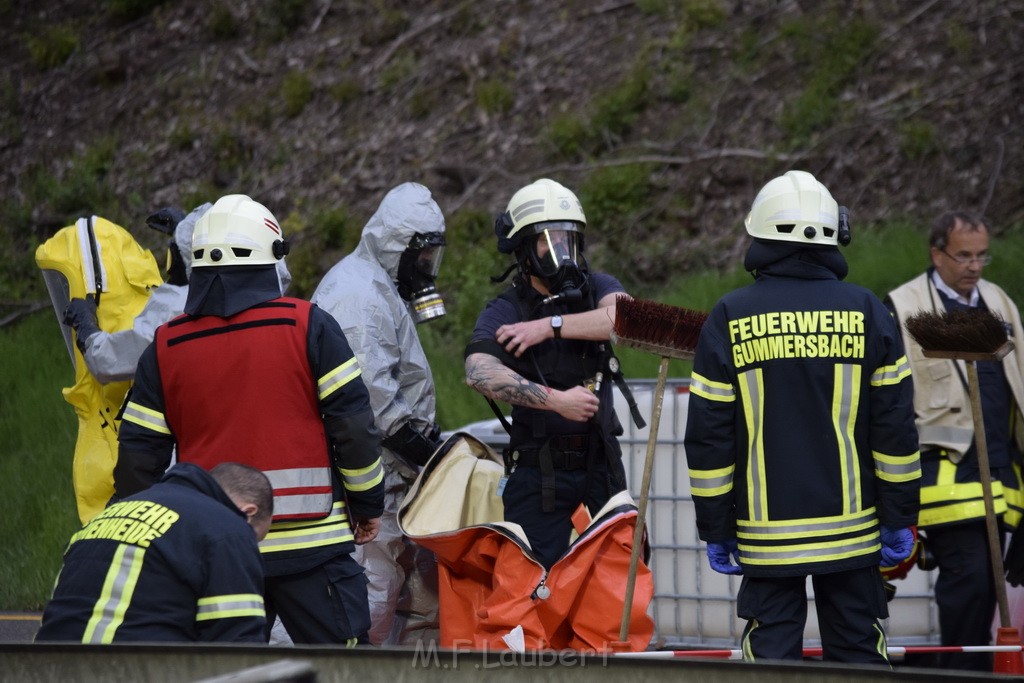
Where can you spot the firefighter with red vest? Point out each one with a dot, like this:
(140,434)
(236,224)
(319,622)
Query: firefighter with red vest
(251,376)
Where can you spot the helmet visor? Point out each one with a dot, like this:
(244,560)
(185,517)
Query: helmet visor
(428,250)
(555,246)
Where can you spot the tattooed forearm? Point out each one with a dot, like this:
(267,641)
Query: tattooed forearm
(493,379)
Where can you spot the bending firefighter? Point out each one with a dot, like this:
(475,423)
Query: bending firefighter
(177,562)
(270,381)
(800,437)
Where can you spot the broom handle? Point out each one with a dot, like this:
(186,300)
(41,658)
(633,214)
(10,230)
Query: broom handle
(641,513)
(995,548)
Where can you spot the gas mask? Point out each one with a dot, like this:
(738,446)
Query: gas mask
(417,270)
(556,255)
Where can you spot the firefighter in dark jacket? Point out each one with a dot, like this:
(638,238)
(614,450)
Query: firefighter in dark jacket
(542,346)
(177,562)
(248,375)
(800,438)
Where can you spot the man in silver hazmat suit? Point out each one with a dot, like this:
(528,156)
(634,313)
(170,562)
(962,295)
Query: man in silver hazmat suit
(378,294)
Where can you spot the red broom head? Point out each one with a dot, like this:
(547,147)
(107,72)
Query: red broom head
(657,327)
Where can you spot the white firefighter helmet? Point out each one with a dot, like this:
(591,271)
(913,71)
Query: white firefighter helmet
(543,201)
(237,231)
(794,207)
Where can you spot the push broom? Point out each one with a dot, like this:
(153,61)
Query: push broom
(973,335)
(669,332)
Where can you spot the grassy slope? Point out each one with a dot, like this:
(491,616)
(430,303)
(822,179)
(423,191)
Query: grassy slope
(37,435)
(37,429)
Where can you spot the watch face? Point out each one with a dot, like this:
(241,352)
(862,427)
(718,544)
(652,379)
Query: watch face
(556,321)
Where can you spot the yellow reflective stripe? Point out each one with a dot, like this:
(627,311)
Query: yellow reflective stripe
(1014,500)
(946,501)
(330,530)
(845,398)
(897,468)
(338,377)
(229,606)
(711,390)
(706,483)
(809,552)
(748,652)
(364,478)
(891,374)
(145,417)
(807,528)
(880,645)
(751,392)
(118,588)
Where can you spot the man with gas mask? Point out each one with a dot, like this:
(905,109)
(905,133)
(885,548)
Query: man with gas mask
(542,346)
(378,294)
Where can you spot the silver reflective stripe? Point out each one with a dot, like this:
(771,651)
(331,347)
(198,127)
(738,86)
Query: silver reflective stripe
(707,486)
(302,504)
(897,468)
(891,374)
(812,552)
(713,391)
(309,534)
(527,208)
(809,527)
(366,478)
(939,435)
(750,388)
(287,503)
(228,606)
(299,477)
(338,377)
(144,417)
(844,413)
(118,588)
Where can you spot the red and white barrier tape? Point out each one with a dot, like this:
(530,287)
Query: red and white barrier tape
(817,651)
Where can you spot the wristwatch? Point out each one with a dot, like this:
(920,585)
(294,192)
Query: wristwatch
(556,326)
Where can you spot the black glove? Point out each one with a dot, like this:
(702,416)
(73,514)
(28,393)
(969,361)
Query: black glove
(176,273)
(166,220)
(412,445)
(1014,562)
(81,316)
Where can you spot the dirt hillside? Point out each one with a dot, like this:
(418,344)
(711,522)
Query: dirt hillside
(665,116)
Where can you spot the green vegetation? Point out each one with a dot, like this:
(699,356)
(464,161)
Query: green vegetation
(127,10)
(283,16)
(221,22)
(494,95)
(296,91)
(37,430)
(608,117)
(52,46)
(918,139)
(834,49)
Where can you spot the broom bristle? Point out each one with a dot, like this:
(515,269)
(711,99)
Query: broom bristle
(967,330)
(658,327)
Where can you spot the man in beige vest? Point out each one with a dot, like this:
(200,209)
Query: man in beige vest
(952,508)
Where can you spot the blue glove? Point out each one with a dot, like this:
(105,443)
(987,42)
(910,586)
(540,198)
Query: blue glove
(722,555)
(897,544)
